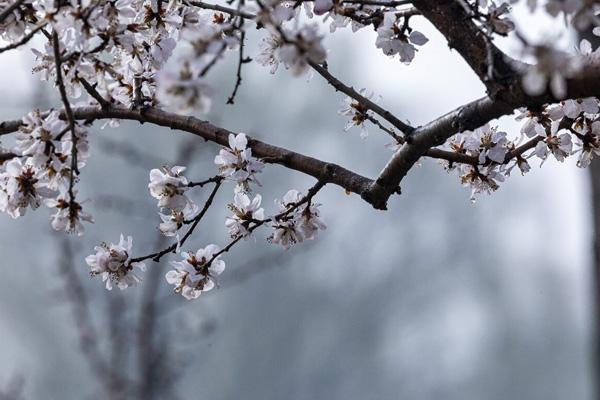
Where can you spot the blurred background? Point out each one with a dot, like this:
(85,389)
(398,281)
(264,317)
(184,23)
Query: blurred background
(435,298)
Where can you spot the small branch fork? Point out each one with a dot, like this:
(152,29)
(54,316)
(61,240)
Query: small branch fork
(195,221)
(241,59)
(349,91)
(258,223)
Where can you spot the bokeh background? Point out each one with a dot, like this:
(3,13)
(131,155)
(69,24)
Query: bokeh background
(436,298)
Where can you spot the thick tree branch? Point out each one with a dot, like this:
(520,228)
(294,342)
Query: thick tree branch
(470,41)
(468,117)
(323,171)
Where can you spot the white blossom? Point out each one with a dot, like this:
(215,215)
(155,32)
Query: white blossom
(357,112)
(393,39)
(21,188)
(69,216)
(245,212)
(174,220)
(168,186)
(560,146)
(306,47)
(112,262)
(589,142)
(296,224)
(196,272)
(237,164)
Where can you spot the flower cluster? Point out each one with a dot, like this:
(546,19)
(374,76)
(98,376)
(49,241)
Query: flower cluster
(294,55)
(237,164)
(113,263)
(40,170)
(196,272)
(245,212)
(169,187)
(294,225)
(559,130)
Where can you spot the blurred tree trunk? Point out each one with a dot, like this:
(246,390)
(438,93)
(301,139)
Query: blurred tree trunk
(595,332)
(595,288)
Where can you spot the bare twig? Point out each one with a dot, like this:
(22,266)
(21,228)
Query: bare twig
(339,85)
(241,61)
(216,7)
(328,172)
(94,93)
(291,208)
(158,255)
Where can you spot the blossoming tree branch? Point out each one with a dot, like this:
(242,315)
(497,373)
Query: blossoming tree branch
(107,60)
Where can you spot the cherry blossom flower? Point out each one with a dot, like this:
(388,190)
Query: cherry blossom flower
(21,188)
(244,213)
(486,143)
(173,221)
(69,216)
(497,21)
(38,135)
(573,108)
(196,272)
(267,47)
(392,39)
(535,123)
(480,179)
(112,262)
(358,113)
(168,186)
(295,225)
(560,146)
(306,47)
(237,164)
(589,142)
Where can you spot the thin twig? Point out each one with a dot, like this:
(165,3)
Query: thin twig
(25,39)
(258,223)
(399,139)
(94,93)
(241,59)
(158,255)
(205,182)
(70,119)
(339,85)
(226,10)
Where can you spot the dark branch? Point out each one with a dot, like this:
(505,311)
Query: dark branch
(469,117)
(338,85)
(327,172)
(454,21)
(8,10)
